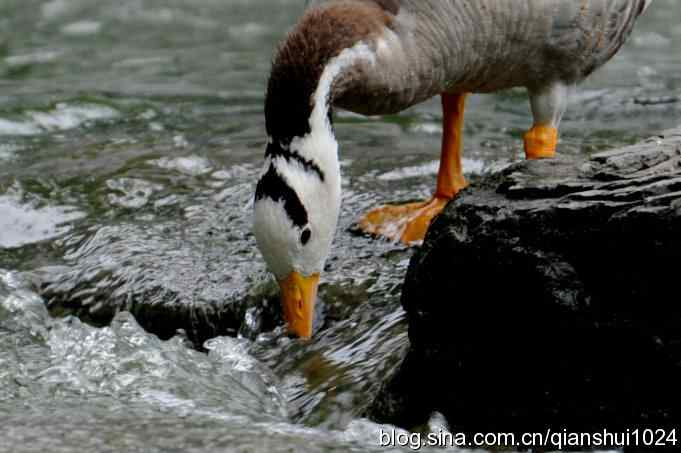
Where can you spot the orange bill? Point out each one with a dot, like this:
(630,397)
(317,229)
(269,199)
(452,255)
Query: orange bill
(298,298)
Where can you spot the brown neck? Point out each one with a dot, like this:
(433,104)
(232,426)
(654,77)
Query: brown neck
(322,34)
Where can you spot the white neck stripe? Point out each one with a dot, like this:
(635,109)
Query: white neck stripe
(319,116)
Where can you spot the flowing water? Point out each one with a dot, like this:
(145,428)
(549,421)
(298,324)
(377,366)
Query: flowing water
(131,134)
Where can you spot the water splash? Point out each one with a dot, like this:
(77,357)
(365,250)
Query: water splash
(25,222)
(61,118)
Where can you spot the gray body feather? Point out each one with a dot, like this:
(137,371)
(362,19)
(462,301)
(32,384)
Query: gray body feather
(436,46)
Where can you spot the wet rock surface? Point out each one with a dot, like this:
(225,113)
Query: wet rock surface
(547,295)
(172,275)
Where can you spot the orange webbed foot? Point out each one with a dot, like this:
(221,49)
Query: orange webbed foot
(407,223)
(541,142)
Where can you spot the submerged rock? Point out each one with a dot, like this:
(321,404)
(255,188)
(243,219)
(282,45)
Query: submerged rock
(547,296)
(180,265)
(169,276)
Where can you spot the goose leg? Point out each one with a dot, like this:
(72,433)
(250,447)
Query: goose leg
(548,105)
(409,222)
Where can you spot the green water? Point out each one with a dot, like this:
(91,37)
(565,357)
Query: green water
(131,136)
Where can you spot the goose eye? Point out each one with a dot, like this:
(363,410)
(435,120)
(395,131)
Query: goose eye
(305,236)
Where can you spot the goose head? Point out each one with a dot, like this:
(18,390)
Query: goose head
(296,209)
(298,196)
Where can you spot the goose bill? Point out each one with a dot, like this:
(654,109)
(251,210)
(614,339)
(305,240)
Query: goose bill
(298,298)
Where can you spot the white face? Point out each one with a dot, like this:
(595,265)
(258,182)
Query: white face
(296,209)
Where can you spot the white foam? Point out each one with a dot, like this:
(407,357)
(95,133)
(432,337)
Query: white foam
(143,61)
(427,128)
(470,166)
(131,193)
(65,116)
(22,224)
(61,118)
(188,165)
(180,141)
(32,58)
(8,151)
(82,28)
(8,127)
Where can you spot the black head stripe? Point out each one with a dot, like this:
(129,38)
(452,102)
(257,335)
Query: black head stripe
(274,187)
(276,150)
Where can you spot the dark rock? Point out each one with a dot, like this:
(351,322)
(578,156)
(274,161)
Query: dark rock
(546,295)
